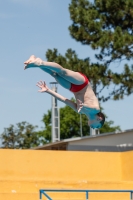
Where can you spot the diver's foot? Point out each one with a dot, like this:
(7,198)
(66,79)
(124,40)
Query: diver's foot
(32,62)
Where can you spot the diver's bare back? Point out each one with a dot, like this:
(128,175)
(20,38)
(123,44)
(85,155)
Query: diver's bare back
(87,96)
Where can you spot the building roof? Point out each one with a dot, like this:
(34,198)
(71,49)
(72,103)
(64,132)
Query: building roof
(62,144)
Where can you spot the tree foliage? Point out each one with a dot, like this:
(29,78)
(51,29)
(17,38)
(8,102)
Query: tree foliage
(21,136)
(106,26)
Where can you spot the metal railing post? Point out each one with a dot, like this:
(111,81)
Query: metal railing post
(87,195)
(131,195)
(43,192)
(40,195)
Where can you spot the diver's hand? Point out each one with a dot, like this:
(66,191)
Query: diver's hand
(42,85)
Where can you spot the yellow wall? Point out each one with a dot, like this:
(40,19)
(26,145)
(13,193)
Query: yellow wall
(24,172)
(127,166)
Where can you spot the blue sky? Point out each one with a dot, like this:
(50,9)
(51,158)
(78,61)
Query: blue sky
(31,27)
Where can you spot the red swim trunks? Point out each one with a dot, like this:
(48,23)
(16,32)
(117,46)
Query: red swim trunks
(77,88)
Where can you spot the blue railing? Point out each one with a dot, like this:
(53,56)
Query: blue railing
(43,192)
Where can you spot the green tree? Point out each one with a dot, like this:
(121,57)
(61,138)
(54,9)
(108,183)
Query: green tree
(9,137)
(44,135)
(106,26)
(70,125)
(21,136)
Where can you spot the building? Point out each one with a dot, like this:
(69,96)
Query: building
(108,142)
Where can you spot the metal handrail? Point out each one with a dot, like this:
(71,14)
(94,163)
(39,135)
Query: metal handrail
(43,192)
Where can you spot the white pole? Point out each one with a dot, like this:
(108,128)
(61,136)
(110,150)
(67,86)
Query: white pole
(81,134)
(55,116)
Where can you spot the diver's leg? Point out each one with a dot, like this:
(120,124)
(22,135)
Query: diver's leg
(63,82)
(69,75)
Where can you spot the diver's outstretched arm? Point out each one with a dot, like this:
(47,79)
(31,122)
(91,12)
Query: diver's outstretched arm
(44,88)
